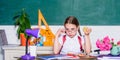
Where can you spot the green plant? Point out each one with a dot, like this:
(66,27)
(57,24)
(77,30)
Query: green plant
(22,21)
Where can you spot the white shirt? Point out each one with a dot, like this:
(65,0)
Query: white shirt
(71,45)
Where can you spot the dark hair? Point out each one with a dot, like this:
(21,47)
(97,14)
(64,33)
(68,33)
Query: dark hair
(73,20)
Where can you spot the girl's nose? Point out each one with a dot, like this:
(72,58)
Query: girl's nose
(69,32)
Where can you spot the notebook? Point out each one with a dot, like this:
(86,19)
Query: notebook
(53,57)
(108,57)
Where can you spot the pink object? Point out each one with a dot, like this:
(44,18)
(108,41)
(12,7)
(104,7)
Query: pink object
(106,40)
(118,43)
(104,44)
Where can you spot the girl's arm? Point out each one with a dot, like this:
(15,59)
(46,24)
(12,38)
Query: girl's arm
(57,45)
(87,45)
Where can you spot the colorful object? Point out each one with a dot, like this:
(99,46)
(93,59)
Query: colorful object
(33,32)
(115,50)
(45,32)
(30,32)
(104,44)
(40,41)
(118,43)
(27,57)
(85,29)
(108,44)
(22,39)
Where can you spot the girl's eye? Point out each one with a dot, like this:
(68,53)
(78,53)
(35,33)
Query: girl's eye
(72,29)
(66,29)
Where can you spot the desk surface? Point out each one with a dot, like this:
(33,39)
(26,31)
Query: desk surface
(59,57)
(65,57)
(11,51)
(96,58)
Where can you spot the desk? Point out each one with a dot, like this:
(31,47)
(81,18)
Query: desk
(11,51)
(64,57)
(60,57)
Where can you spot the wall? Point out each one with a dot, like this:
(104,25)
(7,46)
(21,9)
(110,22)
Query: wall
(89,12)
(97,32)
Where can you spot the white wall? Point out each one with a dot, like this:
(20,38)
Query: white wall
(97,32)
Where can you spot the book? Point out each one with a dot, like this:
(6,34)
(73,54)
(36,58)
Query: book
(109,57)
(54,57)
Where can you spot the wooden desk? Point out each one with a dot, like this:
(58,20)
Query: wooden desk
(11,51)
(62,57)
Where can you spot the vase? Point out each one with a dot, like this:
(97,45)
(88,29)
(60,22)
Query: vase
(115,50)
(22,39)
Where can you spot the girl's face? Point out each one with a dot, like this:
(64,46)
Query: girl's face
(71,30)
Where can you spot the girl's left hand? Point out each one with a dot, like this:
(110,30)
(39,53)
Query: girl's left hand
(87,30)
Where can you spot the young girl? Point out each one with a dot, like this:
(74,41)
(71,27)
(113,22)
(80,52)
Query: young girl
(68,40)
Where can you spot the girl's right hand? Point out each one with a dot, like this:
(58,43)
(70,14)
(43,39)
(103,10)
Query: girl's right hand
(60,31)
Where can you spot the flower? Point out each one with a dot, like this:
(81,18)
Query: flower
(118,43)
(104,44)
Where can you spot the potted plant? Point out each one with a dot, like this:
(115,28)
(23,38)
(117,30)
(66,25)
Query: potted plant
(22,23)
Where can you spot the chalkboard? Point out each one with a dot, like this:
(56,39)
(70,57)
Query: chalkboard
(88,12)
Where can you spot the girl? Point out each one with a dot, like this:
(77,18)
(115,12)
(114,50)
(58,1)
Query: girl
(68,40)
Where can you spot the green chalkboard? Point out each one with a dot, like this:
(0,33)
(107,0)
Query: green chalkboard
(88,12)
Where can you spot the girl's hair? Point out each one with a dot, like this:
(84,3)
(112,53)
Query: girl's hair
(73,20)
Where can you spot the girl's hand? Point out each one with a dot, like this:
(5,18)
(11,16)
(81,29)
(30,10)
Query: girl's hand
(80,55)
(60,31)
(87,30)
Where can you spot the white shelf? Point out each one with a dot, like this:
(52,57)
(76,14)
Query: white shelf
(11,51)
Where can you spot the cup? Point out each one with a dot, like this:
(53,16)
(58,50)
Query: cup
(33,50)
